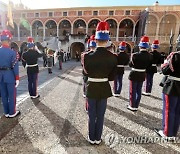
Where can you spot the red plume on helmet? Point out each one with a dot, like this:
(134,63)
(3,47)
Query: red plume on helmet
(144,42)
(30,39)
(92,38)
(155,44)
(30,42)
(6,35)
(122,45)
(102,31)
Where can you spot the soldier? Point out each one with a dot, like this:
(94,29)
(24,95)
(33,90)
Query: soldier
(139,63)
(9,75)
(50,57)
(153,69)
(92,46)
(171,96)
(100,67)
(123,60)
(30,58)
(59,56)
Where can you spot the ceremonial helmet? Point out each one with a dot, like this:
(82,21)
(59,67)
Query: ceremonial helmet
(122,45)
(102,31)
(155,44)
(144,42)
(30,42)
(92,42)
(6,35)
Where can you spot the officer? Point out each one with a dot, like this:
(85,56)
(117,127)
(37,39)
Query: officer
(9,75)
(92,47)
(100,67)
(139,63)
(171,96)
(30,57)
(123,60)
(153,69)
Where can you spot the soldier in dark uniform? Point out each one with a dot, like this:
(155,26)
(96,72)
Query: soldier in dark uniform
(92,47)
(30,58)
(9,75)
(100,67)
(123,60)
(171,96)
(153,69)
(50,57)
(59,56)
(140,62)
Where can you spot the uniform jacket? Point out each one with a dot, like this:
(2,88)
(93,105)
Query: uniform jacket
(171,67)
(156,60)
(31,58)
(140,60)
(100,64)
(123,59)
(9,59)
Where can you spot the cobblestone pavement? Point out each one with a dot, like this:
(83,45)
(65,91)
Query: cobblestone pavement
(57,122)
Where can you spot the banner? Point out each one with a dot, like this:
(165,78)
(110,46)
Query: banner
(9,16)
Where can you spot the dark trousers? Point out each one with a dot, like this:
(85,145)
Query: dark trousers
(60,64)
(96,111)
(171,115)
(8,96)
(135,90)
(32,84)
(148,82)
(118,84)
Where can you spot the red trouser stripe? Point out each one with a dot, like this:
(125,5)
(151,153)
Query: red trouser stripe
(166,114)
(131,93)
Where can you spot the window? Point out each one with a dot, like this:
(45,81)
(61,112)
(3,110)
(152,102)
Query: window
(23,15)
(79,13)
(127,12)
(95,13)
(111,13)
(36,15)
(64,13)
(50,14)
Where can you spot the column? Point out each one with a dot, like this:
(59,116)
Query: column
(18,28)
(31,31)
(87,29)
(157,30)
(57,31)
(117,33)
(71,29)
(44,32)
(133,35)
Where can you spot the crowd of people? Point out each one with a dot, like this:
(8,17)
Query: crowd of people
(100,65)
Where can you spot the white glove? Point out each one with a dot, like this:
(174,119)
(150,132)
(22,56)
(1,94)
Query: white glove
(36,48)
(17,83)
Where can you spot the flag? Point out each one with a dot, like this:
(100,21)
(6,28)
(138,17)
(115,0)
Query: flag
(25,23)
(9,16)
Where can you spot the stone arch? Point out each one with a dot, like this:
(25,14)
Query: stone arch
(76,46)
(151,26)
(64,27)
(79,26)
(167,26)
(37,30)
(24,28)
(112,28)
(126,28)
(92,26)
(50,28)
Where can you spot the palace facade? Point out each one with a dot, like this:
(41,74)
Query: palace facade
(71,25)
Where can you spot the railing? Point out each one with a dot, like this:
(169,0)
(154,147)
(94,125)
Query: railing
(128,39)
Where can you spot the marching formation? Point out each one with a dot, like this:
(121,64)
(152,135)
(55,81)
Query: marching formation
(100,66)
